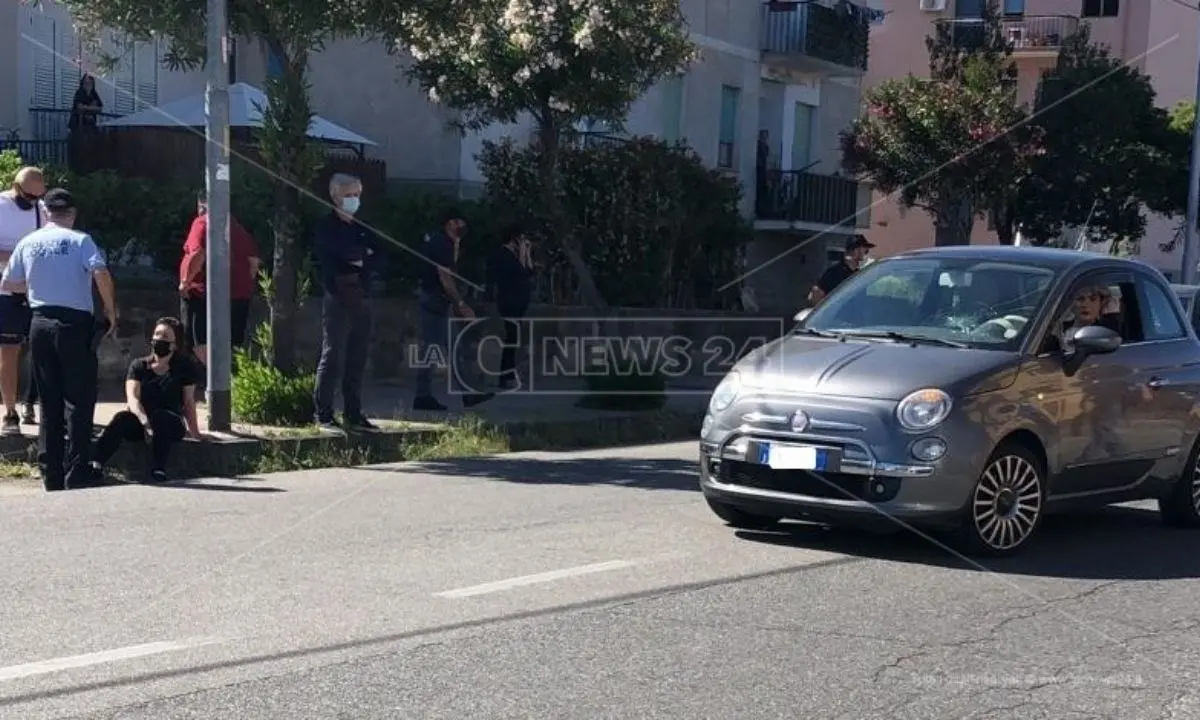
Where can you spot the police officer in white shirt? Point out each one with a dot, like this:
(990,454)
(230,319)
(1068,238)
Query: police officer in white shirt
(21,213)
(56,266)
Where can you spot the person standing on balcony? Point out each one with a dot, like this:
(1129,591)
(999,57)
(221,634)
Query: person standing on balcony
(85,116)
(21,213)
(856,253)
(244,263)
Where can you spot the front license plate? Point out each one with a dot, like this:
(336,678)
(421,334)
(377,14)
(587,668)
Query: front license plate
(793,457)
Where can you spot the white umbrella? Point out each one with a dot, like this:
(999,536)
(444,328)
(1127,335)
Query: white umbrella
(245,110)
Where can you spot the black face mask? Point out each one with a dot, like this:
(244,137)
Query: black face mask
(160,348)
(25,202)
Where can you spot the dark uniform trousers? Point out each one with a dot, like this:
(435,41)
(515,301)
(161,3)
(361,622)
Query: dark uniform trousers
(64,368)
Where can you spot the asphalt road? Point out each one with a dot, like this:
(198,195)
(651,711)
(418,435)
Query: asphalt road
(584,585)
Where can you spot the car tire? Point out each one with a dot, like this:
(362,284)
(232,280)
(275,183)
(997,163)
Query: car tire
(741,519)
(1006,504)
(1180,507)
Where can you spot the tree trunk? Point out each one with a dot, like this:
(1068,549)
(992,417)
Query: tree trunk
(953,221)
(548,178)
(283,301)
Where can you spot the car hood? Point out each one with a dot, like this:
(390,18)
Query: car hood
(877,370)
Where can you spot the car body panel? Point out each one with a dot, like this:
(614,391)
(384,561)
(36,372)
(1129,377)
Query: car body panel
(1119,428)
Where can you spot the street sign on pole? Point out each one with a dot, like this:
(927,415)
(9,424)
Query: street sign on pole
(216,109)
(1193,199)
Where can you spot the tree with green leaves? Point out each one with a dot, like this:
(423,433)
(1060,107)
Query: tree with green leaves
(558,61)
(955,143)
(293,30)
(1108,150)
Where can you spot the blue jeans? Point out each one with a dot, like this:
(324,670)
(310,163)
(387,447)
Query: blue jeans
(345,345)
(441,330)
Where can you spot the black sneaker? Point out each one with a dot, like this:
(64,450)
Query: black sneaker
(358,422)
(158,477)
(11,425)
(428,402)
(29,417)
(470,401)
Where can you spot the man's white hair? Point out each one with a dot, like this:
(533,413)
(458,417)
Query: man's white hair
(341,182)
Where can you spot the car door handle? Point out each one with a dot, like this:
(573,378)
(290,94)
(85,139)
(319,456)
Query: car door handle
(1155,383)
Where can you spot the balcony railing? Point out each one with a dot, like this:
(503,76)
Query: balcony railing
(837,35)
(1032,33)
(53,123)
(798,196)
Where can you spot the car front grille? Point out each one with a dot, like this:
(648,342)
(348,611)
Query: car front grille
(835,486)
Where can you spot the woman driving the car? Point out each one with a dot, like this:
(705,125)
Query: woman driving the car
(1094,305)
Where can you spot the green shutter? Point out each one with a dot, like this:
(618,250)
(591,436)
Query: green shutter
(729,111)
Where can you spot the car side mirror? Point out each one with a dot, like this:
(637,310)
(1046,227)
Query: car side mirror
(800,316)
(1088,341)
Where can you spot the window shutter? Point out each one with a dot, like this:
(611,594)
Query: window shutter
(122,78)
(45,82)
(145,74)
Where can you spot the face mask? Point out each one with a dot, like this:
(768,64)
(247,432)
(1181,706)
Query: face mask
(160,348)
(25,202)
(350,205)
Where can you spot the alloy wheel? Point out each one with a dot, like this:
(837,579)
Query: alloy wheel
(1196,486)
(1008,501)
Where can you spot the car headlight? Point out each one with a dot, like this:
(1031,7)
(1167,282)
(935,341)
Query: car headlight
(923,409)
(726,391)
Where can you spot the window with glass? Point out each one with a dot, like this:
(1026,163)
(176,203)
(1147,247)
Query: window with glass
(1101,8)
(730,98)
(945,301)
(1160,321)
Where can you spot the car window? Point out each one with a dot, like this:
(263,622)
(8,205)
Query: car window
(984,304)
(1104,298)
(1160,321)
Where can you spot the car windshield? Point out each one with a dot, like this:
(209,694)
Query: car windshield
(953,302)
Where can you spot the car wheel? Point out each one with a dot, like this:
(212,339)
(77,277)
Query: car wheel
(741,519)
(1181,506)
(1006,505)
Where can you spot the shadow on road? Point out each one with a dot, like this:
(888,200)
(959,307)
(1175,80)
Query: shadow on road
(1116,543)
(643,473)
(239,487)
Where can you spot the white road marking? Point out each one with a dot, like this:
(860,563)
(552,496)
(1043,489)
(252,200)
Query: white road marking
(551,576)
(42,667)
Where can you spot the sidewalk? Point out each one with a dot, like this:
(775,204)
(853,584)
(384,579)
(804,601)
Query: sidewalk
(548,400)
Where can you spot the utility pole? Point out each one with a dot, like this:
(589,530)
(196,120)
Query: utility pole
(216,110)
(1190,239)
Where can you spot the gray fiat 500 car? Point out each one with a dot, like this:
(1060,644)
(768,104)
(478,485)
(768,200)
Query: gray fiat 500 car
(969,390)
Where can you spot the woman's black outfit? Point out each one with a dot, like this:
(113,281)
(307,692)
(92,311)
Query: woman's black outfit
(82,120)
(162,399)
(512,286)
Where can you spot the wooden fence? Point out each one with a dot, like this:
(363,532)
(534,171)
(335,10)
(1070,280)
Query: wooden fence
(171,155)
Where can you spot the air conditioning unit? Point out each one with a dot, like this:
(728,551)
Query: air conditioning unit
(933,5)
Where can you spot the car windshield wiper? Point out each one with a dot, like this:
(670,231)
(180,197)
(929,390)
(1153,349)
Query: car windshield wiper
(905,337)
(816,333)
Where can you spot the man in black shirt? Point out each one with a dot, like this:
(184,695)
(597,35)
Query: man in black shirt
(347,254)
(857,249)
(511,280)
(437,302)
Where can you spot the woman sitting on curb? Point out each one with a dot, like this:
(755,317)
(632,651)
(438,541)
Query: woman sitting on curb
(160,397)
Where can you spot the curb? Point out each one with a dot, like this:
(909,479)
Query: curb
(242,455)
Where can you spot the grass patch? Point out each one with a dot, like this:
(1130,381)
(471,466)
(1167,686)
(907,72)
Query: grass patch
(466,438)
(18,470)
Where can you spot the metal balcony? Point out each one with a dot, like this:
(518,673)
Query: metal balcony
(815,37)
(1031,35)
(798,196)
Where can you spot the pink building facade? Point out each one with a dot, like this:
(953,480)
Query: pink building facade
(1158,36)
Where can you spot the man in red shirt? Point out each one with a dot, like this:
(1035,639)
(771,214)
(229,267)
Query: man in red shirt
(244,262)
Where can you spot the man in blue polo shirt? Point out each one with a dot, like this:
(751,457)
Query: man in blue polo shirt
(437,302)
(56,266)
